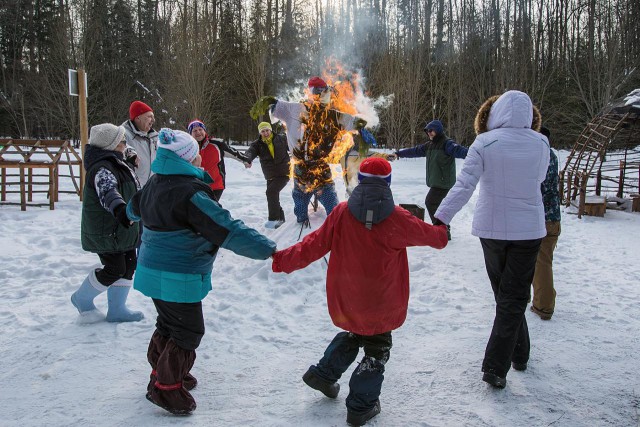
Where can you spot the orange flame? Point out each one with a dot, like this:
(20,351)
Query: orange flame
(324,141)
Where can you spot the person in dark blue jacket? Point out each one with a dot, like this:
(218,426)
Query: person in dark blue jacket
(440,152)
(183,229)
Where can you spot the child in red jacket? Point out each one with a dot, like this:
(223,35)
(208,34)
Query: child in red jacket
(367,297)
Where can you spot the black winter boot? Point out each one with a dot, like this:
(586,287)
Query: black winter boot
(359,419)
(327,388)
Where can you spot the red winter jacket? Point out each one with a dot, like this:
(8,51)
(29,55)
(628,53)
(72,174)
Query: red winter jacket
(212,152)
(368,275)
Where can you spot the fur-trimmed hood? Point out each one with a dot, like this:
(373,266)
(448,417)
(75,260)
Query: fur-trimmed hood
(512,109)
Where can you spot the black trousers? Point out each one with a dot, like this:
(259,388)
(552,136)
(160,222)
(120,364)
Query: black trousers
(181,321)
(435,196)
(510,265)
(274,187)
(366,380)
(117,265)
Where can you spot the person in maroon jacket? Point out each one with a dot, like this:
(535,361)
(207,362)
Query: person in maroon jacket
(367,296)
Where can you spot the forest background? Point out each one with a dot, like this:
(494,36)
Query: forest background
(212,59)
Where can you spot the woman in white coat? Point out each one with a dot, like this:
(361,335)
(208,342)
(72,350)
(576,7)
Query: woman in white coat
(508,160)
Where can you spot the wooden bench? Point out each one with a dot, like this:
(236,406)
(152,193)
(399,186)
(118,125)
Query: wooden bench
(25,155)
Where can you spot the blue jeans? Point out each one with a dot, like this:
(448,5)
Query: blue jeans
(326,196)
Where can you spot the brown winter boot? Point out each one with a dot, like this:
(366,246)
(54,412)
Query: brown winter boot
(156,347)
(168,391)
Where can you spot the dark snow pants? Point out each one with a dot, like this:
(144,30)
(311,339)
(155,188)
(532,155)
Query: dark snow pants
(274,186)
(510,265)
(366,380)
(181,321)
(117,265)
(435,196)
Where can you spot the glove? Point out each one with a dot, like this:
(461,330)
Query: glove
(261,106)
(359,123)
(131,156)
(120,212)
(436,221)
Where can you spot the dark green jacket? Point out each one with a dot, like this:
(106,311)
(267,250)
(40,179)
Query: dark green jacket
(99,229)
(441,165)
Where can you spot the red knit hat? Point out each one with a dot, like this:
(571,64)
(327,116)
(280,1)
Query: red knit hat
(316,81)
(375,167)
(136,108)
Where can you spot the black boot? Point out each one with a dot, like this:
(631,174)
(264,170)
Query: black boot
(315,382)
(359,419)
(494,380)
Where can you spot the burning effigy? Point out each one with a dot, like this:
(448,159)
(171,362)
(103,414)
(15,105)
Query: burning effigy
(319,133)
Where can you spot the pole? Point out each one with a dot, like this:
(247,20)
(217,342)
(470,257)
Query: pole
(84,123)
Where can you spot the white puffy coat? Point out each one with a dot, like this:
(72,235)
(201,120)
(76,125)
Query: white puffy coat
(508,162)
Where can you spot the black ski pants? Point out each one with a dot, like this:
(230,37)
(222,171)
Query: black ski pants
(116,265)
(274,187)
(366,381)
(181,321)
(510,265)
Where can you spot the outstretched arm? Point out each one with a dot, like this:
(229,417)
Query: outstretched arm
(261,106)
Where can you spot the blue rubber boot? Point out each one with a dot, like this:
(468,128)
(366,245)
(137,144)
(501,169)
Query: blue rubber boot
(82,299)
(117,297)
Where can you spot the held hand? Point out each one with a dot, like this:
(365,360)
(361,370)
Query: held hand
(121,215)
(391,157)
(247,165)
(359,123)
(261,106)
(436,221)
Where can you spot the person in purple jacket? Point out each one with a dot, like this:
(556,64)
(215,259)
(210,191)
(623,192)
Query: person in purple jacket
(440,152)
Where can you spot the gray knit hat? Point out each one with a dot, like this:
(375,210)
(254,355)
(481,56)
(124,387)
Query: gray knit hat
(106,136)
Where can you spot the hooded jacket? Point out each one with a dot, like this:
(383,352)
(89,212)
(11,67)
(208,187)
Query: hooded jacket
(183,229)
(509,161)
(367,294)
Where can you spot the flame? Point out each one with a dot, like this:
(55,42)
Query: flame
(324,142)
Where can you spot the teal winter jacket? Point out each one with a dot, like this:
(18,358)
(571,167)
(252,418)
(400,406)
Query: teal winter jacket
(183,229)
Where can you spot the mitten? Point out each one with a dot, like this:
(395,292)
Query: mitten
(359,123)
(261,106)
(130,156)
(120,212)
(436,221)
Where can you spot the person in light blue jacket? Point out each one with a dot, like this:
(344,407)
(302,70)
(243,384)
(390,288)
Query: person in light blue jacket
(508,161)
(184,228)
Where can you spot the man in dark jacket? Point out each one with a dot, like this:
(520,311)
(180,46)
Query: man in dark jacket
(272,149)
(440,152)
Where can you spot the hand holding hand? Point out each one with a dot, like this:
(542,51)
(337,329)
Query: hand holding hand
(391,157)
(436,221)
(247,165)
(120,213)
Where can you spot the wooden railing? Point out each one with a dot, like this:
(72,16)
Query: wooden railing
(25,155)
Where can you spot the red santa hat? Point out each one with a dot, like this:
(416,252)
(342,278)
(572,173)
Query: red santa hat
(136,108)
(375,167)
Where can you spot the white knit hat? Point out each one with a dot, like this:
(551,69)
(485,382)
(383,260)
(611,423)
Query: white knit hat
(179,142)
(106,136)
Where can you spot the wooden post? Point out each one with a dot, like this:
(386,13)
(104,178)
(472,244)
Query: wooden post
(621,182)
(84,122)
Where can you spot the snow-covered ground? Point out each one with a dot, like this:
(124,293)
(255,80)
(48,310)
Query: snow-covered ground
(265,329)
